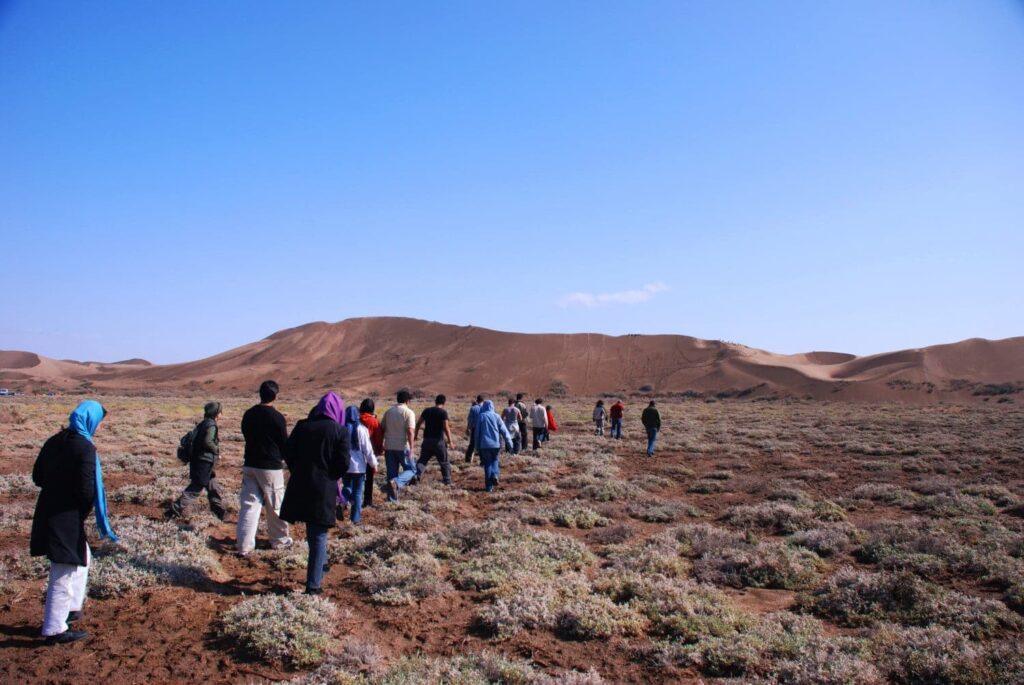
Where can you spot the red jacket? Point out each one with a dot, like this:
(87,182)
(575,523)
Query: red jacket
(552,426)
(376,432)
(616,410)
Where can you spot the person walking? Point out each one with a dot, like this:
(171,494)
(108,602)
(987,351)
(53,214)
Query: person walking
(437,439)
(523,413)
(539,421)
(552,424)
(70,479)
(489,432)
(599,416)
(474,412)
(369,419)
(266,433)
(201,474)
(512,418)
(616,412)
(317,454)
(398,425)
(361,458)
(651,419)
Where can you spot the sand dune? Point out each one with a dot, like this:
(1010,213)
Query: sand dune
(378,355)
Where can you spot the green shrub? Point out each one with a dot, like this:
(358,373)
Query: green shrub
(292,629)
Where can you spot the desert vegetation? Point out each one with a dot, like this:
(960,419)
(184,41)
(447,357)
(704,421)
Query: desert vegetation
(767,542)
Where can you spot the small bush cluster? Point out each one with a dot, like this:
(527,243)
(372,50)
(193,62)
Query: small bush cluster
(568,515)
(292,629)
(611,491)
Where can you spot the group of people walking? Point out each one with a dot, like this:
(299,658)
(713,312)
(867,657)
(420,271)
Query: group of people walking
(650,418)
(332,456)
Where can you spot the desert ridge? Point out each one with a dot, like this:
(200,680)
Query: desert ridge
(378,354)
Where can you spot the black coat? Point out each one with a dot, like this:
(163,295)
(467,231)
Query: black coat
(317,455)
(66,472)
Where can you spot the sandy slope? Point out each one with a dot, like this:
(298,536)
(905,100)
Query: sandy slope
(381,354)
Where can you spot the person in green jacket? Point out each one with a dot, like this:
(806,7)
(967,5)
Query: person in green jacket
(651,419)
(205,452)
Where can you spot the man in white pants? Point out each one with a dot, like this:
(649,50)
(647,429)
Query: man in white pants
(265,434)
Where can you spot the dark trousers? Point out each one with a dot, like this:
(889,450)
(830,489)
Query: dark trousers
(316,537)
(471,446)
(201,477)
(368,488)
(538,437)
(435,447)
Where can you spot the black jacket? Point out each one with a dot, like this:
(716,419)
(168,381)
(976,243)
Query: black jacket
(265,435)
(66,472)
(317,455)
(651,418)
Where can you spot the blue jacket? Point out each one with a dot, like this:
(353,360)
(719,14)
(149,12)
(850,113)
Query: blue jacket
(490,428)
(474,414)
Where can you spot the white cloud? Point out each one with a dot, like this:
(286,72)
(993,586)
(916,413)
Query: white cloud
(622,297)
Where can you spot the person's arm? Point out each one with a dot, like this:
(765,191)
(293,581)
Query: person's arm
(416,434)
(409,435)
(448,433)
(85,487)
(504,431)
(366,447)
(291,445)
(209,441)
(340,453)
(280,434)
(657,419)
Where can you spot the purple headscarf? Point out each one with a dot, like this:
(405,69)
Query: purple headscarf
(331,406)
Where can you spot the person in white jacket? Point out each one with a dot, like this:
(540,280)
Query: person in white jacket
(360,456)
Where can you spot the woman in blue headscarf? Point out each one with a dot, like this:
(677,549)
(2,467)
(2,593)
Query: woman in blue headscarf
(71,481)
(361,458)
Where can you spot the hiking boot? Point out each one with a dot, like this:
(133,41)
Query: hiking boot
(73,616)
(314,591)
(67,636)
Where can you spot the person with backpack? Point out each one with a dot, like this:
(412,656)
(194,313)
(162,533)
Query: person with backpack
(70,479)
(368,417)
(474,412)
(398,425)
(616,412)
(361,458)
(205,451)
(437,439)
(266,433)
(539,419)
(317,454)
(599,416)
(489,432)
(651,419)
(512,419)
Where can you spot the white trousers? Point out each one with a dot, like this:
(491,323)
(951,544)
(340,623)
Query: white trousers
(64,593)
(261,487)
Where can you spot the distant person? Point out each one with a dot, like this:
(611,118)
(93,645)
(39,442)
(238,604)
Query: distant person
(599,416)
(205,452)
(368,416)
(437,439)
(398,425)
(68,472)
(361,458)
(552,424)
(523,413)
(616,412)
(651,419)
(489,432)
(539,421)
(512,418)
(474,412)
(266,433)
(317,454)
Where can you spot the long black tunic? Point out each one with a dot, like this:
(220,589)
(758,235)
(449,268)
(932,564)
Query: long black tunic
(317,455)
(66,472)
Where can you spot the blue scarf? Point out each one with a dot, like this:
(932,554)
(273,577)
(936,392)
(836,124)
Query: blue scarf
(84,420)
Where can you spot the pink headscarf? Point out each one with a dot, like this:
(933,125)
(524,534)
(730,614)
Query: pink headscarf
(331,406)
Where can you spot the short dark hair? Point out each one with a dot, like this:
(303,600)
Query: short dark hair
(538,401)
(268,391)
(404,396)
(651,404)
(511,401)
(600,403)
(519,395)
(440,399)
(211,410)
(479,398)
(367,406)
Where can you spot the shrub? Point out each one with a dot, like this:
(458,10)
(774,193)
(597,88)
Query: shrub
(17,484)
(354,660)
(292,629)
(569,515)
(660,511)
(777,517)
(924,655)
(610,490)
(766,564)
(826,541)
(403,578)
(595,616)
(883,492)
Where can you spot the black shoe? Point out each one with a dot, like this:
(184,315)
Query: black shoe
(73,617)
(219,512)
(314,591)
(66,637)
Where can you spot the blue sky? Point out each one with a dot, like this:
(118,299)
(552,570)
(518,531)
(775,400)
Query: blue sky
(181,178)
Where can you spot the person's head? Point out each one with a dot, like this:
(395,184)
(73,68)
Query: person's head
(268,391)
(651,404)
(548,407)
(538,401)
(367,406)
(511,401)
(479,399)
(519,396)
(404,396)
(486,406)
(332,406)
(86,418)
(440,400)
(600,403)
(211,410)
